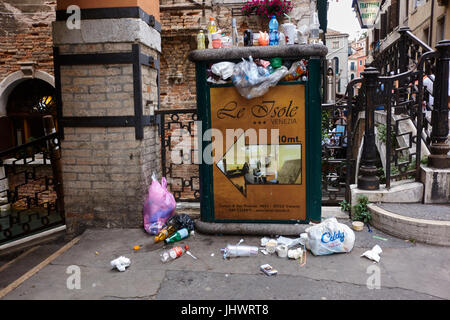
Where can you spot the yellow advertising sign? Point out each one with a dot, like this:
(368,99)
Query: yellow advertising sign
(259,173)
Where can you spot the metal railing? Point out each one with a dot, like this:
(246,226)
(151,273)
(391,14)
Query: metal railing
(182,175)
(30,188)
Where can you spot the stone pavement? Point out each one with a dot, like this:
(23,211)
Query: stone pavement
(407,271)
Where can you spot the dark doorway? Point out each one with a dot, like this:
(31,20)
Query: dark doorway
(27,103)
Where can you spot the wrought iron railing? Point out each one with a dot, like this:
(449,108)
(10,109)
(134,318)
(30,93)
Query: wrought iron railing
(182,173)
(402,55)
(31,197)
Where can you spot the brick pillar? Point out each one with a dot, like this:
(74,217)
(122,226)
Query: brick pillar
(107,82)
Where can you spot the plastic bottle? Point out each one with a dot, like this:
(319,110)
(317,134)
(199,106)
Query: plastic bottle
(234,34)
(165,233)
(212,28)
(273,32)
(314,30)
(239,251)
(173,253)
(201,40)
(177,236)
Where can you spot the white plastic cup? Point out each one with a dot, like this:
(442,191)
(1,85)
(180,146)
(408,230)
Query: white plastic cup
(282,251)
(289,32)
(271,246)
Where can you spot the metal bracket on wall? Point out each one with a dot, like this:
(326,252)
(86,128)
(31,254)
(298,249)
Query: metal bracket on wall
(137,59)
(113,13)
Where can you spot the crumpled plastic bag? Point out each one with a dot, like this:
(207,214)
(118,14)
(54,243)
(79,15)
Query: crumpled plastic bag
(223,69)
(373,254)
(251,82)
(121,263)
(181,221)
(330,237)
(159,206)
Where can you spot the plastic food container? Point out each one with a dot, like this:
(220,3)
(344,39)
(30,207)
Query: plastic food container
(358,225)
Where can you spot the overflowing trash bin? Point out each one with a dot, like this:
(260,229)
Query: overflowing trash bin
(260,113)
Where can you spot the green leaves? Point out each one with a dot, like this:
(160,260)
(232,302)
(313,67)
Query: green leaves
(360,210)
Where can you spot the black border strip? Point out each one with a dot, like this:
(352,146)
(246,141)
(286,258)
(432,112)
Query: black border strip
(95,58)
(113,13)
(137,87)
(57,75)
(105,121)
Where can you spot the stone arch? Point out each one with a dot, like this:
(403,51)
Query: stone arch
(8,84)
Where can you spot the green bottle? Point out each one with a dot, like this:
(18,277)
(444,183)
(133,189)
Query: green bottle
(177,236)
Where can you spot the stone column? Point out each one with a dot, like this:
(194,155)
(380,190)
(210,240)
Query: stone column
(107,82)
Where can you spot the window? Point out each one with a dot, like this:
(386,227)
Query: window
(425,36)
(360,62)
(440,29)
(335,44)
(336,59)
(352,66)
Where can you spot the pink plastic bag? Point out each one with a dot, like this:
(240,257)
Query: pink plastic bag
(159,206)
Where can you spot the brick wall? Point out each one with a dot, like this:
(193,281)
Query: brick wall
(26,34)
(106,171)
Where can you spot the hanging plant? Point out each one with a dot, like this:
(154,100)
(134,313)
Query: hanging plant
(267,8)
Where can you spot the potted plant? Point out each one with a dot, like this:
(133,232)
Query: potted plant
(267,8)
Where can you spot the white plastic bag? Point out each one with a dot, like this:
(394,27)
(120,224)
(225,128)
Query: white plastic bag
(373,254)
(252,81)
(329,237)
(223,69)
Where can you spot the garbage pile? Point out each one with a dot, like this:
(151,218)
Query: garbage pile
(160,220)
(254,78)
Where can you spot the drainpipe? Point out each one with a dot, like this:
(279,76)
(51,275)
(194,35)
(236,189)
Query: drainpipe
(430,34)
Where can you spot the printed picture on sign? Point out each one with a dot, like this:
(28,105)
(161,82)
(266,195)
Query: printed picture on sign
(246,165)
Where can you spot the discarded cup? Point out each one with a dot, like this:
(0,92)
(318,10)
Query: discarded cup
(282,251)
(271,246)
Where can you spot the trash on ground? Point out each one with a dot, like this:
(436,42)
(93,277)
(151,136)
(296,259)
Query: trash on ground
(97,253)
(165,233)
(288,241)
(295,253)
(268,269)
(358,225)
(188,252)
(173,253)
(177,236)
(330,237)
(136,248)
(121,263)
(264,241)
(180,221)
(282,251)
(373,254)
(264,252)
(239,251)
(159,206)
(380,238)
(271,246)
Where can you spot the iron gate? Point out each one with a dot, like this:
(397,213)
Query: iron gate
(31,198)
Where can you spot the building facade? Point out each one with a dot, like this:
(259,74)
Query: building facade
(427,19)
(337,44)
